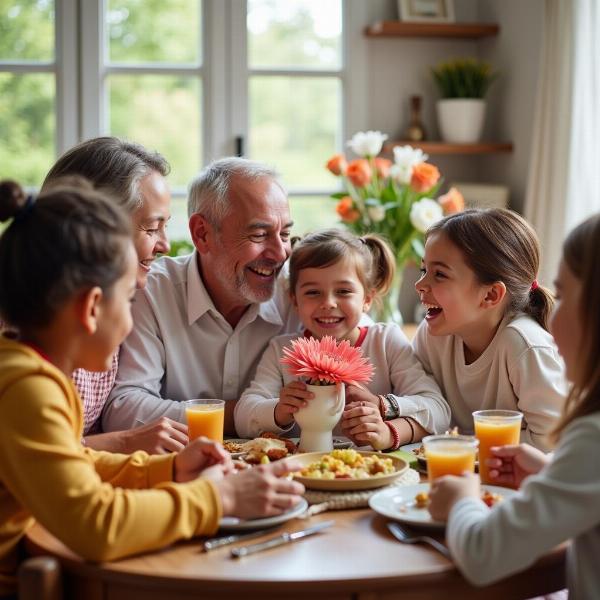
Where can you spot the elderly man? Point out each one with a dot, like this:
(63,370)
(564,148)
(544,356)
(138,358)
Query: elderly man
(203,321)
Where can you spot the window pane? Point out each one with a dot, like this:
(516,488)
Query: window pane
(27,30)
(295,33)
(27,126)
(313,212)
(154,31)
(178,229)
(294,124)
(161,112)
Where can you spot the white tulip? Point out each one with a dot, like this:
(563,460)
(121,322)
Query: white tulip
(405,158)
(376,213)
(367,143)
(424,213)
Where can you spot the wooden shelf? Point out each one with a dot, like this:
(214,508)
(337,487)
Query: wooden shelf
(441,30)
(448,148)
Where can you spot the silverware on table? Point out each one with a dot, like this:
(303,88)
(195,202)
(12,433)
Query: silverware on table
(408,537)
(225,540)
(284,538)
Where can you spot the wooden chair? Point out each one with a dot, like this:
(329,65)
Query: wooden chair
(40,579)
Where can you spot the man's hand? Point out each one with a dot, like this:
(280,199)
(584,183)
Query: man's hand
(201,454)
(446,491)
(292,397)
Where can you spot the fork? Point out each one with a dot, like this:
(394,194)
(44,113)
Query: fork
(403,535)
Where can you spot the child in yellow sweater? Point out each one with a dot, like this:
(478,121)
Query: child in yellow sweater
(67,277)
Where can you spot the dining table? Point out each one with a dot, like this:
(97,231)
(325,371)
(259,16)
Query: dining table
(356,558)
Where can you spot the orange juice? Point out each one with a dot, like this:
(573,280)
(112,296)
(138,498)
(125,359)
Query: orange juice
(495,428)
(205,418)
(449,455)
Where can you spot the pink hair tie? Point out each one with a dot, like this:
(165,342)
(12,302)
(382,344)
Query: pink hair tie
(534,286)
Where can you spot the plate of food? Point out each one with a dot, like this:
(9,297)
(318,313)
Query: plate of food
(408,503)
(235,524)
(265,448)
(347,470)
(235,446)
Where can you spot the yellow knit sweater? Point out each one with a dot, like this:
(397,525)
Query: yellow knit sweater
(101,505)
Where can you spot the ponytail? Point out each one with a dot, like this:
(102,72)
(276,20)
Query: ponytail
(384,263)
(540,304)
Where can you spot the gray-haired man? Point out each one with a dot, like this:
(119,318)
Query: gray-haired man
(203,321)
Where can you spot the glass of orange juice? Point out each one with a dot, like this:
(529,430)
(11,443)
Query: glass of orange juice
(449,454)
(495,428)
(205,417)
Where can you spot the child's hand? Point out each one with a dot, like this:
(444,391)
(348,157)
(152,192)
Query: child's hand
(446,491)
(509,465)
(292,396)
(355,395)
(198,455)
(362,423)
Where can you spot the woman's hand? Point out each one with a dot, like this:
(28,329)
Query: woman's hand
(262,491)
(159,437)
(356,394)
(510,465)
(446,491)
(199,455)
(292,397)
(362,423)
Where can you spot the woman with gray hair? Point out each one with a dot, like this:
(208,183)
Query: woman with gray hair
(134,178)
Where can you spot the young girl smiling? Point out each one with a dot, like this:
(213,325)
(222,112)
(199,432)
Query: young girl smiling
(484,337)
(334,278)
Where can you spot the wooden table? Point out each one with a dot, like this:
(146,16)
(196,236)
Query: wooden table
(356,559)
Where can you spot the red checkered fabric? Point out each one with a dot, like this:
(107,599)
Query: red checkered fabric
(94,388)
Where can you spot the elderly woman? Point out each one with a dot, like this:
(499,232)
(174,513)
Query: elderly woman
(135,178)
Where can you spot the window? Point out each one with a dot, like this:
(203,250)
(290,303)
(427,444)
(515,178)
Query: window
(193,79)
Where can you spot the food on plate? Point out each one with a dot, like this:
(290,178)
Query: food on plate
(232,447)
(262,450)
(490,498)
(348,464)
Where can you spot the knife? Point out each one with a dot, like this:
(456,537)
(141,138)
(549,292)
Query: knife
(225,540)
(284,538)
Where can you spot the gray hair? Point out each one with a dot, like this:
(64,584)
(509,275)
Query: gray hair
(209,191)
(113,166)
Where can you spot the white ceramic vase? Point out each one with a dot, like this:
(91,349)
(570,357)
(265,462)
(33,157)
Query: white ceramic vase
(461,119)
(318,419)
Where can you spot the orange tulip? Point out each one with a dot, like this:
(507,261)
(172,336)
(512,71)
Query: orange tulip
(424,177)
(337,164)
(383,166)
(359,172)
(452,202)
(345,208)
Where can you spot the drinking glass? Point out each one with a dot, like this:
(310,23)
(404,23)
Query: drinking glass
(449,454)
(495,428)
(205,417)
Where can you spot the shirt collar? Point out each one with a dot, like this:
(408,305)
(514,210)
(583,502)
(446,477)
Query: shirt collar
(199,301)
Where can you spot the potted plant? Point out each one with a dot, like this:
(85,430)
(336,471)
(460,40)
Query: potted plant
(462,84)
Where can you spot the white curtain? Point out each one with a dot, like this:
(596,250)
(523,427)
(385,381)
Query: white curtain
(564,178)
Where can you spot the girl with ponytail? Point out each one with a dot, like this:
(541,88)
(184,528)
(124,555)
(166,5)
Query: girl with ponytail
(334,278)
(485,335)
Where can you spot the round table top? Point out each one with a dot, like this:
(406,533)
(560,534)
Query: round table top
(356,554)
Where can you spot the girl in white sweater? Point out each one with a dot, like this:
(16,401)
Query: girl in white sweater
(334,278)
(559,496)
(484,337)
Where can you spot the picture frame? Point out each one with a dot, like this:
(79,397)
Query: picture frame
(483,195)
(426,11)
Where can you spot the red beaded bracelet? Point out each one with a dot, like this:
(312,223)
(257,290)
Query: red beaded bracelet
(395,436)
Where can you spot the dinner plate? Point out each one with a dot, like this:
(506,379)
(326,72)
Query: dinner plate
(339,485)
(398,503)
(235,524)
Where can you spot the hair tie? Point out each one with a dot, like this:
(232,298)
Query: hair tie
(534,286)
(22,213)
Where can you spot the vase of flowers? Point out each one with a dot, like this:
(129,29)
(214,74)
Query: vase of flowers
(396,199)
(326,366)
(462,84)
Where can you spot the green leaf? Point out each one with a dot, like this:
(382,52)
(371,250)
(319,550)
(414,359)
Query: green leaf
(338,195)
(418,247)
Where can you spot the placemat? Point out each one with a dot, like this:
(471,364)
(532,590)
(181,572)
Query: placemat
(321,501)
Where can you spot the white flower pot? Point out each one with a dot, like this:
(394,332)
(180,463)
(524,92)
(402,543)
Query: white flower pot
(318,419)
(461,119)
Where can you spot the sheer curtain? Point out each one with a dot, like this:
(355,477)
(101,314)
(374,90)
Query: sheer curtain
(564,179)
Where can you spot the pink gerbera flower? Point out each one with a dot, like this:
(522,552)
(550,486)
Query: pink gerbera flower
(326,362)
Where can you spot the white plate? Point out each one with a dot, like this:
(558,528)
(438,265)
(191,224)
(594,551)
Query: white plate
(235,524)
(398,504)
